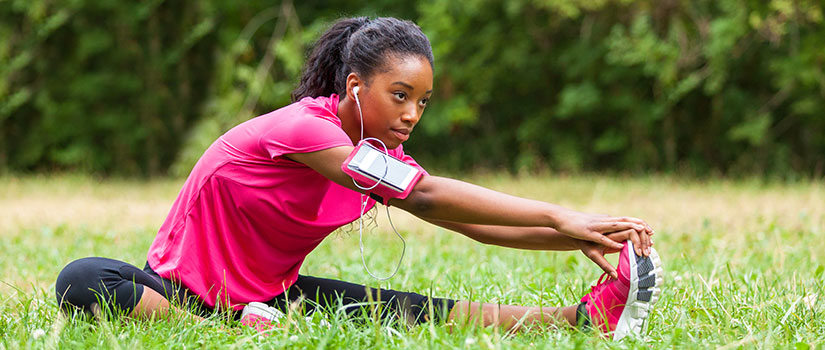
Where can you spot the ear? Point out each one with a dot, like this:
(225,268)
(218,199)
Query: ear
(352,81)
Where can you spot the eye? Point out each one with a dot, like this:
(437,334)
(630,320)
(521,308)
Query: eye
(400,95)
(424,102)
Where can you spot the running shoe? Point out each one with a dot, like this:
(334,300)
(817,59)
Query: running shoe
(263,318)
(621,305)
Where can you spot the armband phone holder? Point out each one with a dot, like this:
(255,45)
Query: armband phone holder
(379,173)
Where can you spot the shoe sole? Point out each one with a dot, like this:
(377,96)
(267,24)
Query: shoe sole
(645,286)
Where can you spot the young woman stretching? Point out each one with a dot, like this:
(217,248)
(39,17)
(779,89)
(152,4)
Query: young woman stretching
(267,192)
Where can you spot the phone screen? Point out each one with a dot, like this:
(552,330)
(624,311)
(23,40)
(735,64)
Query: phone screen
(375,164)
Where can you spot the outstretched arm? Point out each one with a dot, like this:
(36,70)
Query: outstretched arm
(537,238)
(443,199)
(439,198)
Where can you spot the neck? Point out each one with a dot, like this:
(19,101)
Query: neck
(350,120)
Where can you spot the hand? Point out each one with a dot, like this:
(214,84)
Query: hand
(596,252)
(642,240)
(594,227)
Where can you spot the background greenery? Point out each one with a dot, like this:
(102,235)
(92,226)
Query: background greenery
(142,87)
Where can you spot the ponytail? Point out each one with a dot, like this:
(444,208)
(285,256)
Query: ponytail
(357,45)
(325,61)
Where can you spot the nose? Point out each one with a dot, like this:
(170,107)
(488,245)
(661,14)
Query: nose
(411,115)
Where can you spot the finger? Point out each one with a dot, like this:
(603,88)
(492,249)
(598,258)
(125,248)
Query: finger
(632,219)
(638,221)
(615,226)
(645,238)
(637,243)
(607,242)
(620,236)
(602,263)
(648,228)
(624,219)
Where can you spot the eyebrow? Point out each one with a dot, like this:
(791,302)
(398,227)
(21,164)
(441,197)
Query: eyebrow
(408,86)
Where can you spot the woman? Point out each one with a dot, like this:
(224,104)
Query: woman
(268,191)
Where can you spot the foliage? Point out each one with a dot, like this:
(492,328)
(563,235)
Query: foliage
(710,85)
(735,86)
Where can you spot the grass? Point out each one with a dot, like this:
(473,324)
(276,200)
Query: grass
(744,263)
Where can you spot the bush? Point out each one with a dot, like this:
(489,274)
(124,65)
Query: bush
(139,88)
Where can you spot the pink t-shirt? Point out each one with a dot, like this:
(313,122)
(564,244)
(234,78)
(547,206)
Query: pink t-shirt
(247,216)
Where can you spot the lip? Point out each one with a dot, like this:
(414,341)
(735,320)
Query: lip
(401,134)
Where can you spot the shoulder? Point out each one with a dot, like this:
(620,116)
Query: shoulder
(310,115)
(310,124)
(323,107)
(306,116)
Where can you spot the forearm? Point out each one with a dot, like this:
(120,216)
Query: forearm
(537,238)
(439,198)
(530,238)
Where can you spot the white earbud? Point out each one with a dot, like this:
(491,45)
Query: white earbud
(358,103)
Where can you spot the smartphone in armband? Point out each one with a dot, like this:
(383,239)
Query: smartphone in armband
(368,165)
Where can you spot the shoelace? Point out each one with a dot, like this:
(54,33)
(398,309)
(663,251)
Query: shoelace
(595,292)
(600,284)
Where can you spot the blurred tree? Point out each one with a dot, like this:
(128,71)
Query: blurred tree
(732,86)
(103,86)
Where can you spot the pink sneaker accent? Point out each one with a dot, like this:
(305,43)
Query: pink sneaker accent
(259,323)
(621,305)
(261,317)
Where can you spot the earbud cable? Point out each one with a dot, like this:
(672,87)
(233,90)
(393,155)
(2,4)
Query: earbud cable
(365,199)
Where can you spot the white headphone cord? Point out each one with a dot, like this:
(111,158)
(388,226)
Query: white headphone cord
(364,200)
(386,151)
(361,244)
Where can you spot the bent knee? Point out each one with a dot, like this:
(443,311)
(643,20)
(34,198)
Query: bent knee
(79,284)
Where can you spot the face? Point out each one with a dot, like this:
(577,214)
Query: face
(393,100)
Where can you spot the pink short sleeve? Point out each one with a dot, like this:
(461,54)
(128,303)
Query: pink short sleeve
(302,133)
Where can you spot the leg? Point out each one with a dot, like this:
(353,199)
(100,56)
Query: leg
(153,304)
(415,307)
(617,306)
(326,293)
(87,283)
(511,317)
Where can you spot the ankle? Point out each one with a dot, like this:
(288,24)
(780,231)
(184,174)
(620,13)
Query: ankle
(582,318)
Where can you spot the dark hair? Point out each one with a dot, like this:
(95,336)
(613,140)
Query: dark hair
(357,45)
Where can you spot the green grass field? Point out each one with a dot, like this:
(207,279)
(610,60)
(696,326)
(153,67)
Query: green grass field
(744,266)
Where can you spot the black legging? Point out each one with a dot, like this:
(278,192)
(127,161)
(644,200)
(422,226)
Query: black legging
(119,286)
